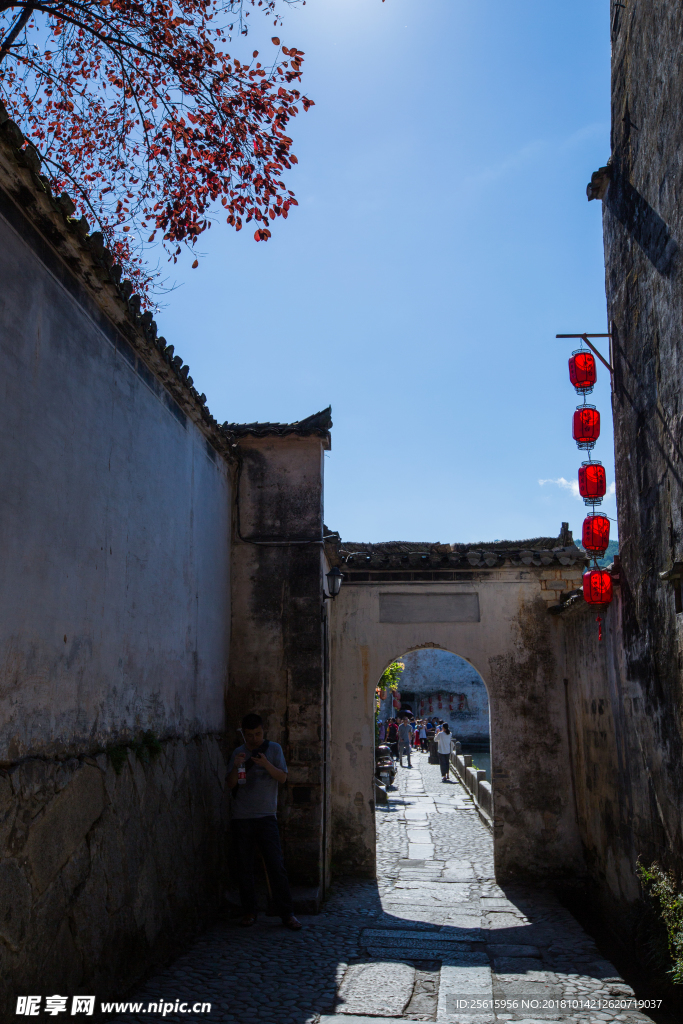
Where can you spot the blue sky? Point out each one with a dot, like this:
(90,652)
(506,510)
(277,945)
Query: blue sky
(443,238)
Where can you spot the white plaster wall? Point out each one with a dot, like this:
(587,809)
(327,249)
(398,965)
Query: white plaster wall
(514,649)
(114,518)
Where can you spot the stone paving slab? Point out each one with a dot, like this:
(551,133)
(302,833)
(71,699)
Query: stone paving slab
(355,1019)
(420,851)
(504,965)
(459,984)
(430,897)
(380,989)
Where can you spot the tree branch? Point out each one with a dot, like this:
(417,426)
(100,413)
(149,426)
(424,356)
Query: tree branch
(14,32)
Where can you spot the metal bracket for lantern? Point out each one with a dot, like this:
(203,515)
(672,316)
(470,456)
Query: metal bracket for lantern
(673,575)
(591,346)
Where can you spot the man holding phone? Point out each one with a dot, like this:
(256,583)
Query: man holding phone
(254,821)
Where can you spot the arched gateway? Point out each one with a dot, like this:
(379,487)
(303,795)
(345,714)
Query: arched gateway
(489,606)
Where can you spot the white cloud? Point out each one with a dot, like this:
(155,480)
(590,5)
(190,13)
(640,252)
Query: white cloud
(573,486)
(532,152)
(569,485)
(526,154)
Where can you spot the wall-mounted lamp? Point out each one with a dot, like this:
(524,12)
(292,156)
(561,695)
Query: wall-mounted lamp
(334,581)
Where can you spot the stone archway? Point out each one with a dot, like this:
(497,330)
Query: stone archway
(500,625)
(440,683)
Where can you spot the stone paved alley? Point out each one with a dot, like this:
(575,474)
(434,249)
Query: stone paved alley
(435,927)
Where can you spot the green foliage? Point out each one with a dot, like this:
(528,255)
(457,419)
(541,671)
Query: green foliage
(612,550)
(389,681)
(661,889)
(146,749)
(391,676)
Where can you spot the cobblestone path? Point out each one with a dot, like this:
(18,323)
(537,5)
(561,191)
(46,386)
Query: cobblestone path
(432,934)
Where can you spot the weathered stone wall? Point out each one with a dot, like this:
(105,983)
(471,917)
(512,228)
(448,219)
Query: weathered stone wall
(611,779)
(631,702)
(516,648)
(115,518)
(102,874)
(277,657)
(114,620)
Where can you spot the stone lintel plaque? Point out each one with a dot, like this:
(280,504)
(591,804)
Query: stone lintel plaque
(428,608)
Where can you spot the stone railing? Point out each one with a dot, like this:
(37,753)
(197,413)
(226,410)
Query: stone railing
(474,780)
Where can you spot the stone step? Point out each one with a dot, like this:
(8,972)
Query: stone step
(407,934)
(460,953)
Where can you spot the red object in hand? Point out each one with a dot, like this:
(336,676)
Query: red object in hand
(592,482)
(582,371)
(586,426)
(597,587)
(595,534)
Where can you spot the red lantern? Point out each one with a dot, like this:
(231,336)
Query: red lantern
(597,586)
(582,372)
(595,534)
(586,426)
(592,482)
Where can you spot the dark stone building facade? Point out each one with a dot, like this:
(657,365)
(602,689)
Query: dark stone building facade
(627,702)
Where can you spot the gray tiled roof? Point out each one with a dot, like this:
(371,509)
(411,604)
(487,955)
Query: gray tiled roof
(319,423)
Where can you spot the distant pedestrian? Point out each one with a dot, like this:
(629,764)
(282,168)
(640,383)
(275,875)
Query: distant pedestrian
(444,742)
(423,735)
(255,770)
(405,735)
(382,731)
(392,736)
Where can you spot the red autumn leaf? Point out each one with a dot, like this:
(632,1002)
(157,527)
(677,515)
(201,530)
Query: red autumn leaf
(275,40)
(195,264)
(140,114)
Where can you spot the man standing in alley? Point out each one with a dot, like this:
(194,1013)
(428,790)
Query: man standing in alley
(444,741)
(405,735)
(254,772)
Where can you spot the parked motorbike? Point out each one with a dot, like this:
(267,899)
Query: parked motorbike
(385,766)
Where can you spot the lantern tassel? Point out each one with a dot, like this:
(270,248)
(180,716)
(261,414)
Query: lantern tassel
(599,622)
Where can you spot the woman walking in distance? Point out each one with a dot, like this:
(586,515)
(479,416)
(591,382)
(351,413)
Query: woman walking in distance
(444,741)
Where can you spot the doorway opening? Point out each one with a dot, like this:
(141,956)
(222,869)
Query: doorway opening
(436,684)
